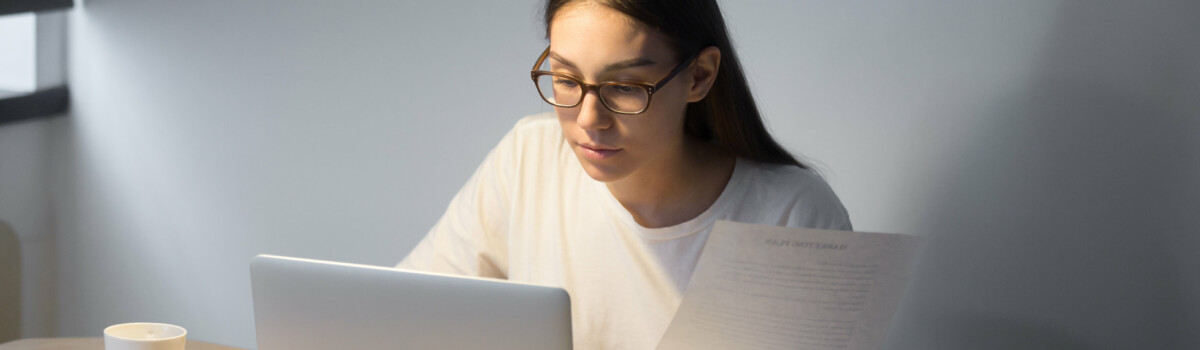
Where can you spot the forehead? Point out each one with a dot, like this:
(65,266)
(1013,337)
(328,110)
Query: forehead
(593,35)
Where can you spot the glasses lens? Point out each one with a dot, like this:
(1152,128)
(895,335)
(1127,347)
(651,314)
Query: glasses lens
(559,91)
(625,98)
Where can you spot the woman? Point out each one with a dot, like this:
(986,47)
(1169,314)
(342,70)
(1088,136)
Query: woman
(657,137)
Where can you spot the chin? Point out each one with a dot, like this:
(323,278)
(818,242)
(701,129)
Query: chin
(601,173)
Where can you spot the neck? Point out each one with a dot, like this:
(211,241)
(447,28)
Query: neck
(678,189)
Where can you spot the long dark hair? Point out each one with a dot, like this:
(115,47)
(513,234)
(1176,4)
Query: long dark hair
(727,116)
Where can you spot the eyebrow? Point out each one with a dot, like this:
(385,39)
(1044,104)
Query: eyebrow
(629,63)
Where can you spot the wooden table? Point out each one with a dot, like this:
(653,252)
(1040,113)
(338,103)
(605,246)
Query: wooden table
(96,343)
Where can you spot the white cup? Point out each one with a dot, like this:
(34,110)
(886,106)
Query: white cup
(144,336)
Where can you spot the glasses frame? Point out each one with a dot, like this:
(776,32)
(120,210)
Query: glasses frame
(649,87)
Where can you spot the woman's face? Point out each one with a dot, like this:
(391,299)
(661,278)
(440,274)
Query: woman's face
(598,44)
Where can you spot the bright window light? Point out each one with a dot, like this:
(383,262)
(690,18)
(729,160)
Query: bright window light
(18,53)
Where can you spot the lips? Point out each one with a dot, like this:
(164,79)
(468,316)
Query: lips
(598,152)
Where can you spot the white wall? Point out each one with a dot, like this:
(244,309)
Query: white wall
(207,132)
(1021,136)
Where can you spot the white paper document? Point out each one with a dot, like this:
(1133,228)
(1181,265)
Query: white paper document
(767,287)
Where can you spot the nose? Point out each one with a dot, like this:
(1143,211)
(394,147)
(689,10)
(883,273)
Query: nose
(592,113)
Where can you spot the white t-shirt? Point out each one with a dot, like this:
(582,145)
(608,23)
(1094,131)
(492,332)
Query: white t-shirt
(530,213)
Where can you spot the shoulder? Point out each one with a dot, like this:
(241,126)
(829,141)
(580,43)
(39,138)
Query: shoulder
(537,126)
(802,195)
(530,137)
(788,181)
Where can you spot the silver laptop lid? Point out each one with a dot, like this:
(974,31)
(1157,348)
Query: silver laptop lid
(303,304)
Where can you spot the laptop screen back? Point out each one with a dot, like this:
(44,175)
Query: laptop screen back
(302,304)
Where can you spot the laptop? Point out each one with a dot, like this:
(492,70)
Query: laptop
(304,304)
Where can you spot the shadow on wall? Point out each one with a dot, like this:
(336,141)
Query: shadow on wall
(10,284)
(1070,222)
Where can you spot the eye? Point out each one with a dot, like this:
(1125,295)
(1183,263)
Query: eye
(565,82)
(626,89)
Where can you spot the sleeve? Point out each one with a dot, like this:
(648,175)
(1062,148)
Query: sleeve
(471,238)
(817,206)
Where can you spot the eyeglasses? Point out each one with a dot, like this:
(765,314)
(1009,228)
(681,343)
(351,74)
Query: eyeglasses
(565,90)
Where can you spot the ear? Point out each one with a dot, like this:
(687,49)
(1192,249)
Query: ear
(704,73)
